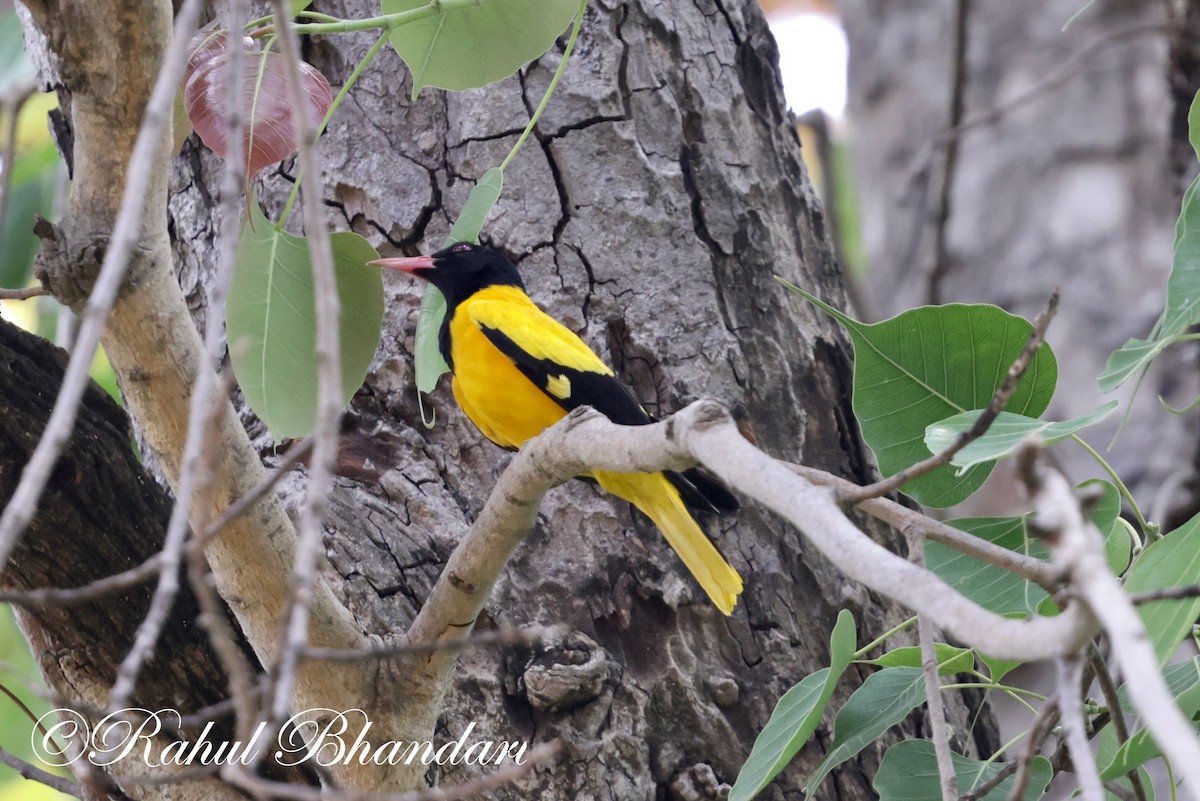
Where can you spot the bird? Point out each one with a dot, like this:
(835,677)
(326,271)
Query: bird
(517,371)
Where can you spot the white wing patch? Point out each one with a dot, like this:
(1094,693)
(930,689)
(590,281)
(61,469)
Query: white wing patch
(559,386)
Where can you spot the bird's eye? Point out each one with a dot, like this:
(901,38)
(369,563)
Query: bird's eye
(461,247)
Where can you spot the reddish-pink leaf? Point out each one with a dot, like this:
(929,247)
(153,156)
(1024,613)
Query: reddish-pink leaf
(268,133)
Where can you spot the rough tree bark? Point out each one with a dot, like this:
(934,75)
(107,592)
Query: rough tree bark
(662,192)
(1064,177)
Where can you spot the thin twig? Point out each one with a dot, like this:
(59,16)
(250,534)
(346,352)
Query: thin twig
(30,771)
(933,686)
(329,404)
(501,637)
(25,293)
(1069,673)
(920,166)
(941,259)
(125,236)
(45,596)
(904,519)
(1108,689)
(295,455)
(978,428)
(264,788)
(1166,594)
(1045,722)
(212,611)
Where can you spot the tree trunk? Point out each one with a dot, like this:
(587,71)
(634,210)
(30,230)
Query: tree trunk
(663,190)
(1062,176)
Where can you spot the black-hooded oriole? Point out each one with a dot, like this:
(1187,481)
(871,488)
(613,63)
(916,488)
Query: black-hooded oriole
(518,371)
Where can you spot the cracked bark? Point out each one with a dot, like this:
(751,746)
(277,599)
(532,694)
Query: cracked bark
(664,191)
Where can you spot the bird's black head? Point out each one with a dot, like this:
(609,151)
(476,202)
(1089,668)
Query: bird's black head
(460,270)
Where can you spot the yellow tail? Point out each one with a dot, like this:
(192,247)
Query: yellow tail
(658,500)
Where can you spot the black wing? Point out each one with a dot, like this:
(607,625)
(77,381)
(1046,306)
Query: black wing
(571,388)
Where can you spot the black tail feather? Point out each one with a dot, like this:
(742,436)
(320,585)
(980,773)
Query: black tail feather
(703,493)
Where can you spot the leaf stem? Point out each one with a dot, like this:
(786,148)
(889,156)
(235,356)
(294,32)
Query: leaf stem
(387,22)
(1148,530)
(558,73)
(337,101)
(882,638)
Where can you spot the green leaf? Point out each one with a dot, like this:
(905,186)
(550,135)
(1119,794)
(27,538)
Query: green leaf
(909,772)
(477,208)
(1173,561)
(991,587)
(1005,435)
(428,362)
(1183,286)
(463,44)
(1194,124)
(1132,357)
(998,668)
(272,322)
(951,659)
(1179,678)
(796,716)
(882,701)
(1182,307)
(927,364)
(31,192)
(1184,683)
(1106,516)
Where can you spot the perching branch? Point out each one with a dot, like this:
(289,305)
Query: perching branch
(704,433)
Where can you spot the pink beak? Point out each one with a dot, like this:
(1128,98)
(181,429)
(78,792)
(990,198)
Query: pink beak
(408,264)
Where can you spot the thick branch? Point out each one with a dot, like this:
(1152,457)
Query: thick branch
(705,433)
(150,338)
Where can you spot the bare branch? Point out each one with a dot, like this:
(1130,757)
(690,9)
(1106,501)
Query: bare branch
(246,502)
(1108,689)
(982,423)
(704,432)
(24,294)
(1069,675)
(958,90)
(1166,594)
(212,613)
(87,592)
(329,379)
(125,235)
(904,519)
(933,686)
(29,771)
(1077,548)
